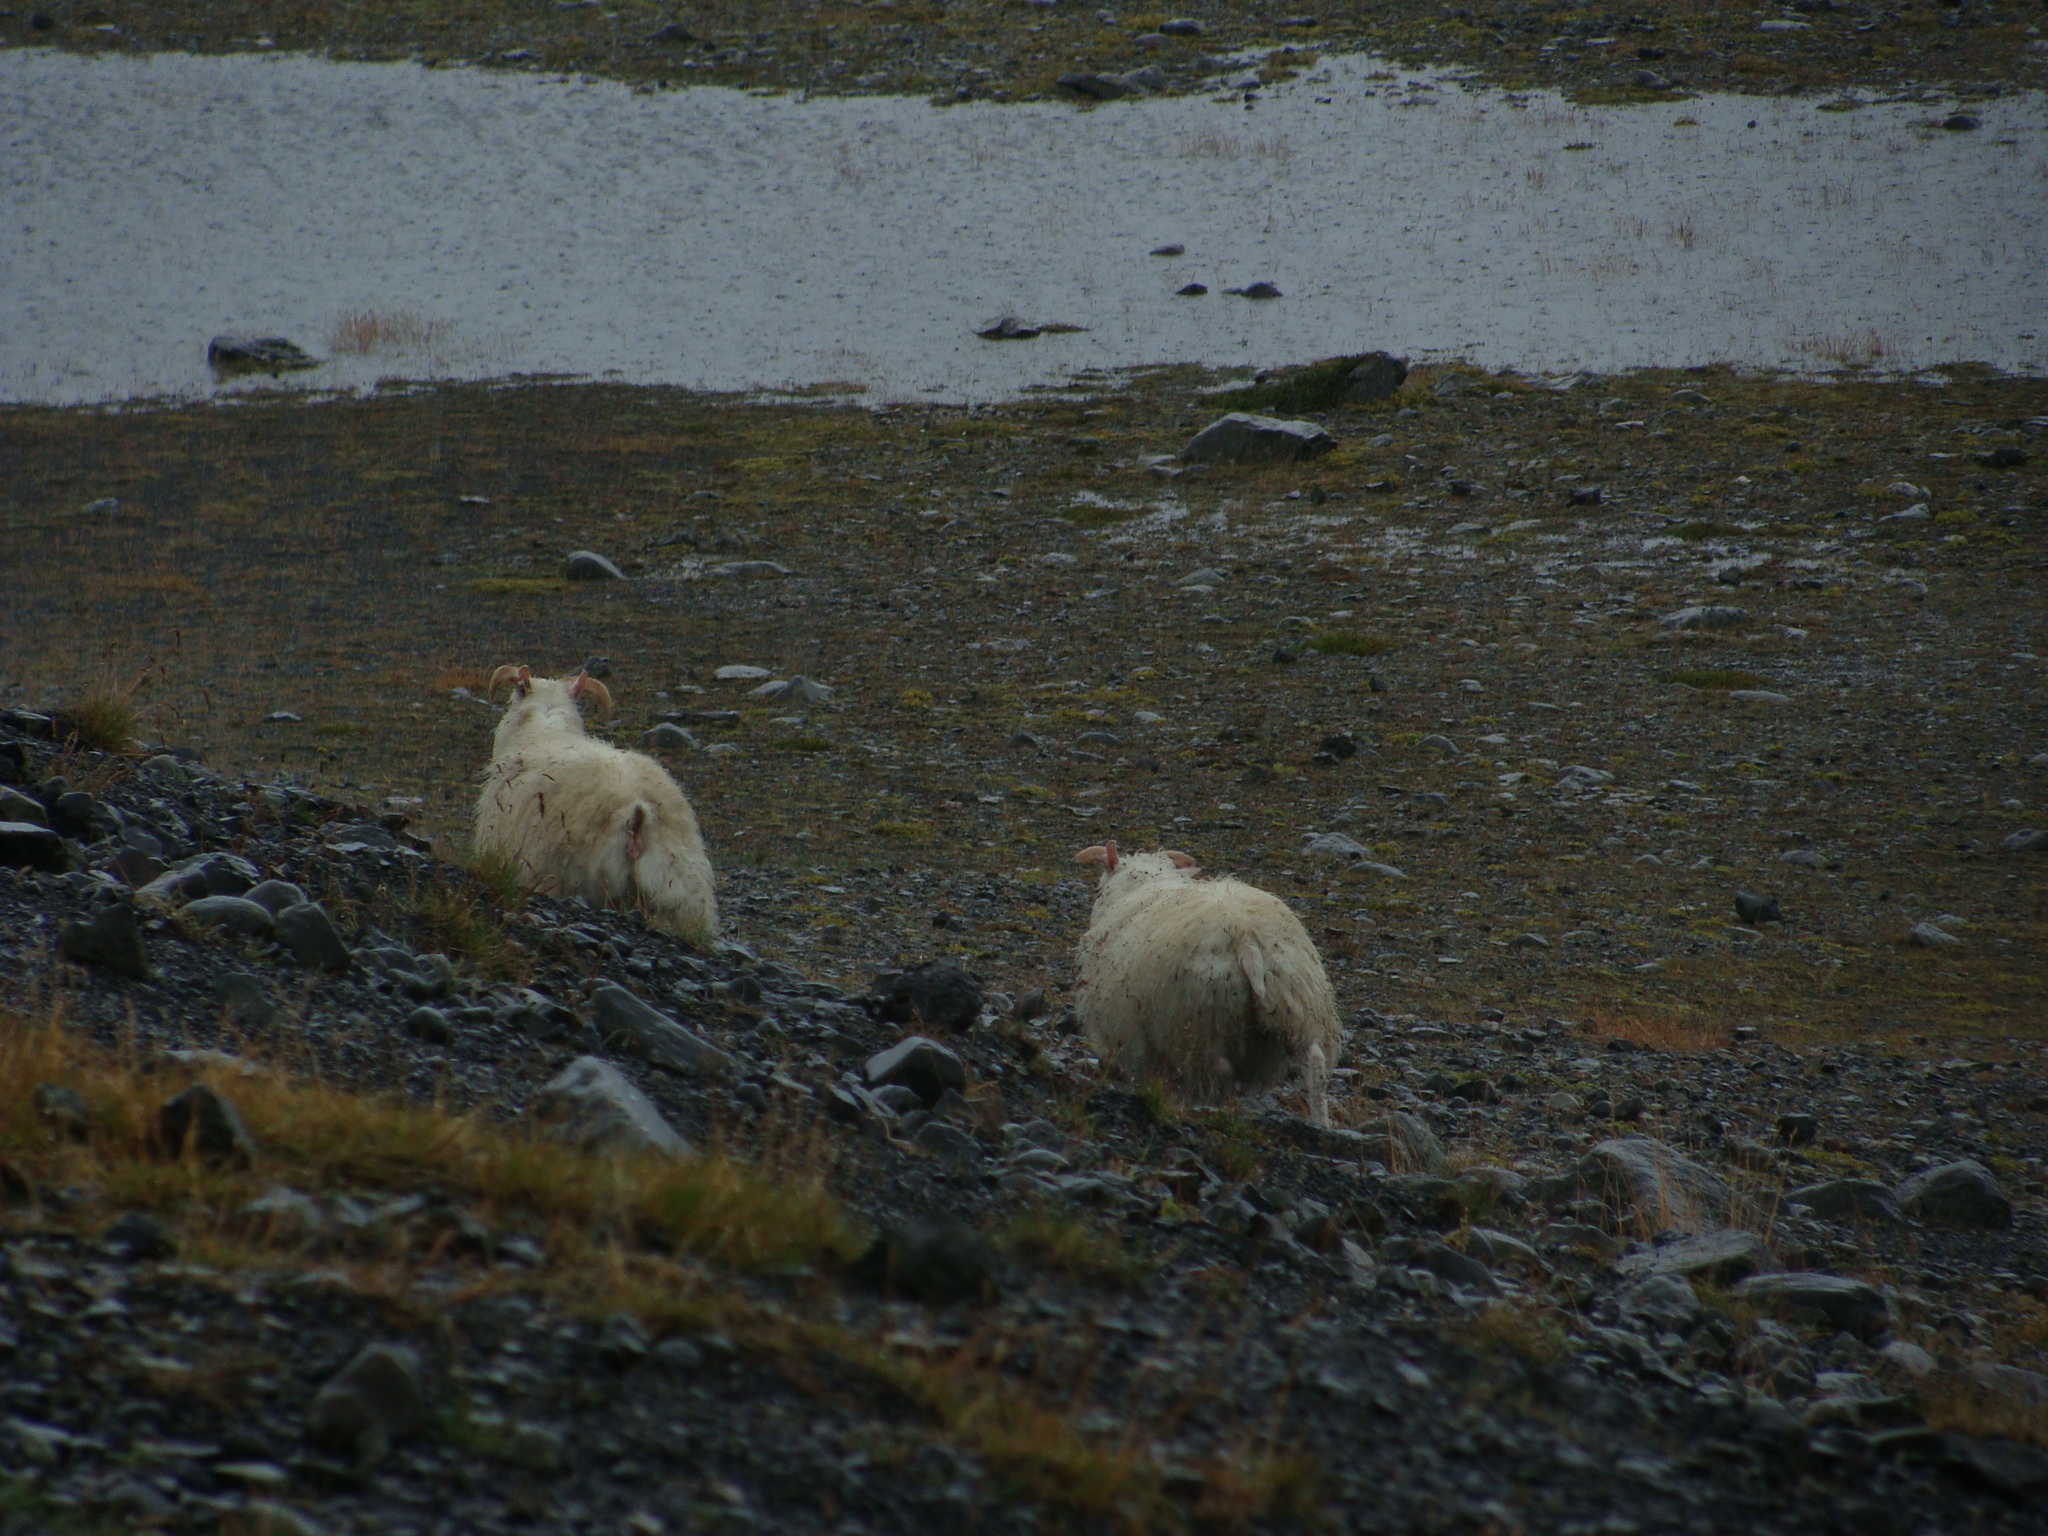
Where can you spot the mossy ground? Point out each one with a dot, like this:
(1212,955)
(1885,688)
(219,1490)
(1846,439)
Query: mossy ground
(988,49)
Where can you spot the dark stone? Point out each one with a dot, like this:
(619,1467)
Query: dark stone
(1339,744)
(1961,122)
(62,1110)
(1376,376)
(935,995)
(673,34)
(2007,1465)
(236,914)
(1798,1130)
(244,1000)
(1008,328)
(208,1123)
(25,845)
(1441,1260)
(1191,290)
(650,1034)
(1175,249)
(430,1025)
(622,1342)
(2006,457)
(1031,1005)
(257,354)
(377,1398)
(937,1261)
(111,937)
(139,1237)
(923,1066)
(1850,1306)
(1754,909)
(275,895)
(1240,438)
(1583,496)
(947,1143)
(1721,1258)
(1848,1200)
(307,934)
(1959,1194)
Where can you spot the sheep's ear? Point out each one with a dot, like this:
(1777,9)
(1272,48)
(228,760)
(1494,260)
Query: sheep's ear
(1109,854)
(1181,859)
(1094,855)
(584,683)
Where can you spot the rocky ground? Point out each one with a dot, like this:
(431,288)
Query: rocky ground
(1039,48)
(1640,1212)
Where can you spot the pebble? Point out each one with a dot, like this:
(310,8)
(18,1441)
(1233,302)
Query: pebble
(235,914)
(588,565)
(936,1260)
(208,1122)
(308,935)
(1752,908)
(934,995)
(111,937)
(1928,936)
(1704,617)
(645,1031)
(1241,438)
(923,1066)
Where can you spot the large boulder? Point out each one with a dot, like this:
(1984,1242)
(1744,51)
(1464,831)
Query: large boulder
(1848,1200)
(257,354)
(1721,1258)
(377,1398)
(110,938)
(1240,438)
(1834,1301)
(1959,1194)
(923,1066)
(593,1105)
(1646,1184)
(1376,376)
(935,995)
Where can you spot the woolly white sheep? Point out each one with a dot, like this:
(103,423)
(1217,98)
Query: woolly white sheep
(1205,985)
(582,818)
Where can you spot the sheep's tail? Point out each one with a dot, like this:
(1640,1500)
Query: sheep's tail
(671,888)
(1286,1001)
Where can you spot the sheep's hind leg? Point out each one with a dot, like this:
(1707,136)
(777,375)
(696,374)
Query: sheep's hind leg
(1318,1079)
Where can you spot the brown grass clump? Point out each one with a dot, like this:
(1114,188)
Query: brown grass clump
(468,931)
(103,718)
(316,1137)
(1972,1406)
(1660,1025)
(1526,1330)
(363,331)
(1074,1246)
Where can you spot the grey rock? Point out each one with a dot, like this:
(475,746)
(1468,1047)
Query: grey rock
(931,1260)
(2010,1466)
(1752,908)
(1958,1194)
(588,565)
(593,1105)
(236,353)
(378,1398)
(1258,290)
(236,914)
(1007,328)
(1705,618)
(1721,1258)
(947,1143)
(1099,87)
(1376,376)
(1437,743)
(923,1066)
(17,807)
(137,1238)
(1240,438)
(677,1354)
(307,934)
(431,1025)
(275,895)
(1665,1302)
(244,1001)
(650,1034)
(1848,1200)
(283,1214)
(1441,1260)
(1403,1143)
(1647,1183)
(1182,26)
(622,1341)
(1927,936)
(797,690)
(204,874)
(934,995)
(206,1121)
(1498,1249)
(667,737)
(111,938)
(63,1110)
(2033,841)
(751,570)
(1836,1301)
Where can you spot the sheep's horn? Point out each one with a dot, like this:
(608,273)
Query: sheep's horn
(1096,854)
(498,677)
(585,683)
(1181,859)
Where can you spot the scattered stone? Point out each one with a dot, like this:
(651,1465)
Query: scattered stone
(431,1025)
(208,1123)
(1180,26)
(244,1000)
(934,995)
(1258,290)
(1191,290)
(1402,1143)
(923,1066)
(593,1105)
(111,937)
(1008,328)
(63,1111)
(2034,840)
(138,1238)
(275,895)
(1958,1194)
(1705,618)
(378,1398)
(1836,1301)
(1666,1302)
(751,570)
(1174,249)
(667,737)
(939,1261)
(798,690)
(1927,936)
(307,934)
(1961,122)
(650,1034)
(1240,438)
(588,565)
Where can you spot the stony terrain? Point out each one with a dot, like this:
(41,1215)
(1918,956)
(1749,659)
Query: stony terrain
(1006,51)
(1641,1212)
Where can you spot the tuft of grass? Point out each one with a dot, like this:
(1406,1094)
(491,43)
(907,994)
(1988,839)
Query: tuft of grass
(801,744)
(1318,387)
(1661,1026)
(468,931)
(906,831)
(1066,1242)
(103,718)
(1714,678)
(504,880)
(1335,642)
(363,331)
(1159,1103)
(313,1136)
(1972,1406)
(1527,1330)
(518,586)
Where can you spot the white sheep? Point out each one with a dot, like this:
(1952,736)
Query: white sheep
(581,818)
(1205,985)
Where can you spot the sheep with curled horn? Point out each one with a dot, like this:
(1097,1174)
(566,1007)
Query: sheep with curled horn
(1206,986)
(580,817)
